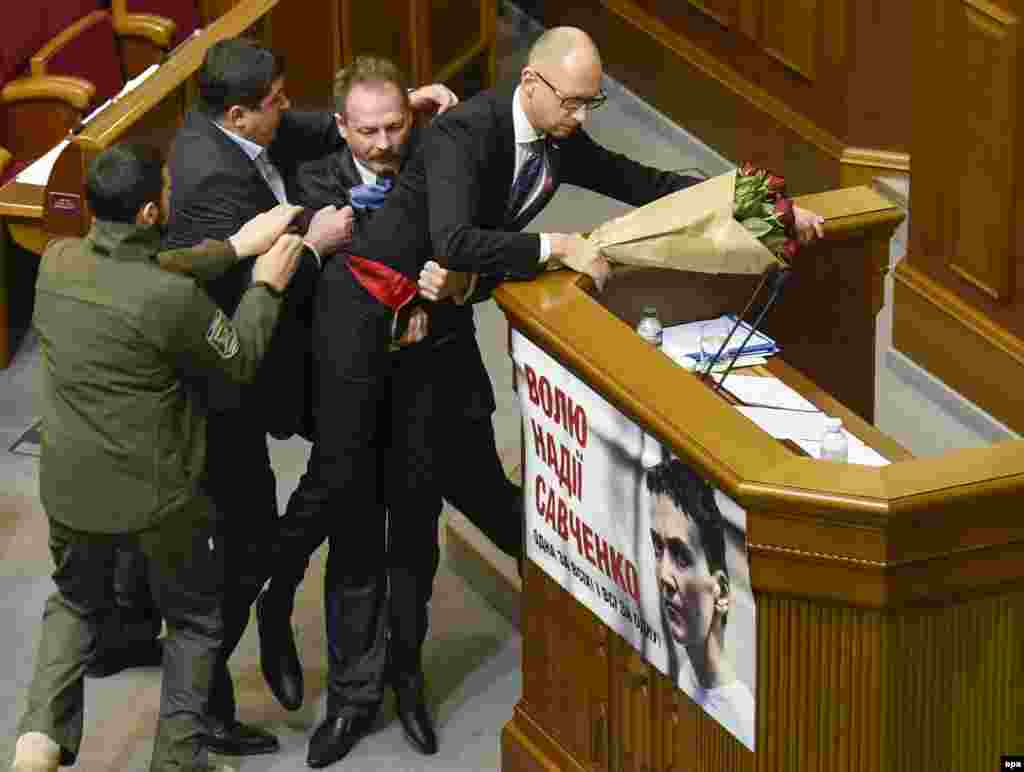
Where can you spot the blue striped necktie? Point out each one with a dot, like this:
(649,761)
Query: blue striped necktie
(526,180)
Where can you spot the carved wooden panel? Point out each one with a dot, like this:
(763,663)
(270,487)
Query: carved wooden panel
(959,703)
(790,33)
(565,669)
(981,251)
(633,684)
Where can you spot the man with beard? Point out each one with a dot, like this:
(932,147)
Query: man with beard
(229,160)
(380,132)
(693,585)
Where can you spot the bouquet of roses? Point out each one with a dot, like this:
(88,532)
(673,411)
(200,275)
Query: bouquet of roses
(726,224)
(761,205)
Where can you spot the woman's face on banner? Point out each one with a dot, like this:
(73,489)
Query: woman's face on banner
(686,586)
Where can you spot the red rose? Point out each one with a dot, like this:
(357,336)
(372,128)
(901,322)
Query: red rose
(790,248)
(784,214)
(776,184)
(748,170)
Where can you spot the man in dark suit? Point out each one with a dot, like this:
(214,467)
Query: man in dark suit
(380,132)
(228,162)
(482,171)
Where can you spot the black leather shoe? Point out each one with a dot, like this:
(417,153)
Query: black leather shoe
(149,654)
(238,739)
(336,736)
(411,706)
(279,659)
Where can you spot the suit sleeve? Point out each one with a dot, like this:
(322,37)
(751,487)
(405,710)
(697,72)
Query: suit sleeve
(303,136)
(206,342)
(211,206)
(589,165)
(455,183)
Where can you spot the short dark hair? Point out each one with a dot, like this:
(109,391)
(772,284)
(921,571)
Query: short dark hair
(367,69)
(694,496)
(237,71)
(123,179)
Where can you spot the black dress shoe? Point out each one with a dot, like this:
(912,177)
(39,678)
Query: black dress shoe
(336,736)
(238,739)
(279,659)
(411,705)
(149,654)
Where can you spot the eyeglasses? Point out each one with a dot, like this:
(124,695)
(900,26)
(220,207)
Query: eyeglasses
(573,104)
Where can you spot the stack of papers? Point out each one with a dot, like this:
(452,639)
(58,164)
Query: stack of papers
(683,340)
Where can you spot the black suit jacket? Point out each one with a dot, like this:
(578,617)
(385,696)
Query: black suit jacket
(451,196)
(215,189)
(467,387)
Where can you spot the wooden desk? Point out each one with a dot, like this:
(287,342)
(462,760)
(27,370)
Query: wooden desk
(887,598)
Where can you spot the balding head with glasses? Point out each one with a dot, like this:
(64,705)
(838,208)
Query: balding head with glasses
(561,82)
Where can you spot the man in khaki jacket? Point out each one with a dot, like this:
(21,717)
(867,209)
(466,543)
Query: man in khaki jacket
(125,345)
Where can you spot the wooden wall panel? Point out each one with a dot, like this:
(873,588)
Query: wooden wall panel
(378,28)
(960,282)
(981,249)
(722,11)
(791,33)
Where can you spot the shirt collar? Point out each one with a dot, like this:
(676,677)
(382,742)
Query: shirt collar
(368,175)
(525,133)
(250,148)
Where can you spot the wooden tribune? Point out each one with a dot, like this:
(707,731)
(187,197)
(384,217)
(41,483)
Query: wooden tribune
(887,597)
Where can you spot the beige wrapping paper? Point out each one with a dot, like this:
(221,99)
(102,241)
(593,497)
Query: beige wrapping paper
(690,230)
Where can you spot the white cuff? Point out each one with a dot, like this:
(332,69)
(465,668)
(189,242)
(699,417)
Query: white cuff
(545,248)
(319,261)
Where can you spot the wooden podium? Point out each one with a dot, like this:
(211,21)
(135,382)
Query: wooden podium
(888,599)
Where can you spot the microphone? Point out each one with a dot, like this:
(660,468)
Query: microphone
(775,277)
(768,272)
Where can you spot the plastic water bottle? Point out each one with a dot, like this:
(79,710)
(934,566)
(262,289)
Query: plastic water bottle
(649,327)
(833,441)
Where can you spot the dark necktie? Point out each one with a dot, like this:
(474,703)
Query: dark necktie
(525,182)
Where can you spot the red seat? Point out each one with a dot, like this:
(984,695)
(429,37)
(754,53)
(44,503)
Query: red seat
(87,49)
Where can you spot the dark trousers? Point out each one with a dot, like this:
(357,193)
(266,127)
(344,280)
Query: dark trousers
(240,480)
(371,457)
(185,573)
(134,621)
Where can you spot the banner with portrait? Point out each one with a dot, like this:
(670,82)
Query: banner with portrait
(639,538)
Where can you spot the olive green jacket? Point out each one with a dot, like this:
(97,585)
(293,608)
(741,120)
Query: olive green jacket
(124,429)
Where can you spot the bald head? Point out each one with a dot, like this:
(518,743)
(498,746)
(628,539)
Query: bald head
(561,81)
(565,47)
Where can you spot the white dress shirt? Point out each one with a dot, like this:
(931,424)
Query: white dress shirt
(526,135)
(258,155)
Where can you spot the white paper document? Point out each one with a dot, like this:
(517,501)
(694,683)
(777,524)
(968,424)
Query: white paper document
(38,172)
(805,429)
(766,392)
(786,424)
(857,451)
